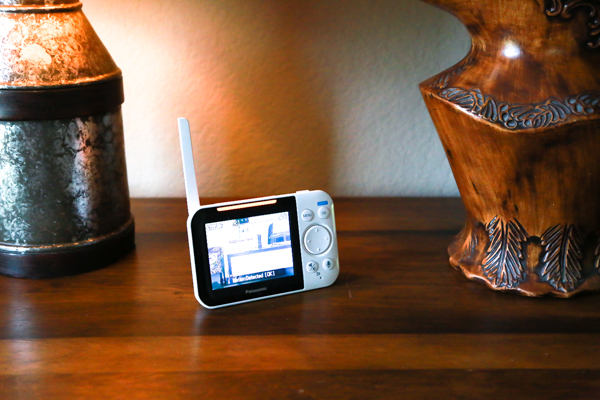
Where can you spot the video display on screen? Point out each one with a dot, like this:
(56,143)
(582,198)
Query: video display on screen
(248,250)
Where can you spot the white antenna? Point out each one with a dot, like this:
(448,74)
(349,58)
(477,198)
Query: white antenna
(189,173)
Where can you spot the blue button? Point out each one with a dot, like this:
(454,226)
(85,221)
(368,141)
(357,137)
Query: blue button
(322,203)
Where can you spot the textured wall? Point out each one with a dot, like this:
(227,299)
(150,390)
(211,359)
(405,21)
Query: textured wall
(281,95)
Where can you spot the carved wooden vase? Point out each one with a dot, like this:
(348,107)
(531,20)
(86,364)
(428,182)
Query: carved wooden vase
(519,119)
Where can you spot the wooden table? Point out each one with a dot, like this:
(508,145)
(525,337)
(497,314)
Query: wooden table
(399,323)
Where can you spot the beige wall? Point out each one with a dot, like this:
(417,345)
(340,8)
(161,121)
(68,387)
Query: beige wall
(281,95)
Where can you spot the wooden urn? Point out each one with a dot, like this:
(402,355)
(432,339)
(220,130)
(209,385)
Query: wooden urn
(64,199)
(519,119)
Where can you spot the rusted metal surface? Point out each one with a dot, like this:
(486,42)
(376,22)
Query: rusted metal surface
(49,46)
(62,181)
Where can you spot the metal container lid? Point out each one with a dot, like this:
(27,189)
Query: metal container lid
(52,63)
(45,3)
(47,44)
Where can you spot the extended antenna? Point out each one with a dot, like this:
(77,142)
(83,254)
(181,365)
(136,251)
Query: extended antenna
(189,173)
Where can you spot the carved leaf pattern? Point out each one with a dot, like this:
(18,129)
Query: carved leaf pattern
(470,245)
(443,80)
(562,256)
(565,8)
(522,116)
(502,262)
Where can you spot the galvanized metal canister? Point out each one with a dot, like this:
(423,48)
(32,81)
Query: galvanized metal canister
(64,198)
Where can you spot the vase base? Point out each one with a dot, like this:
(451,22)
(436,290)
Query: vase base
(523,267)
(40,263)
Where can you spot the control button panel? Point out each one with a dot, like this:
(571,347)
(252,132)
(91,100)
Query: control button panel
(317,239)
(312,267)
(319,250)
(307,215)
(328,264)
(323,212)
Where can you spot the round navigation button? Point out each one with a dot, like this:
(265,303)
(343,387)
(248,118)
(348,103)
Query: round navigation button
(328,264)
(307,215)
(317,239)
(312,267)
(323,212)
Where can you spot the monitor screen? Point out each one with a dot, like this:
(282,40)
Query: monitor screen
(249,250)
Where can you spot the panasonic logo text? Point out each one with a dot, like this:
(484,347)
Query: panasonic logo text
(262,289)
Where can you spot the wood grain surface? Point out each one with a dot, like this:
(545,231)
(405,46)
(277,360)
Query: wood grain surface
(399,323)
